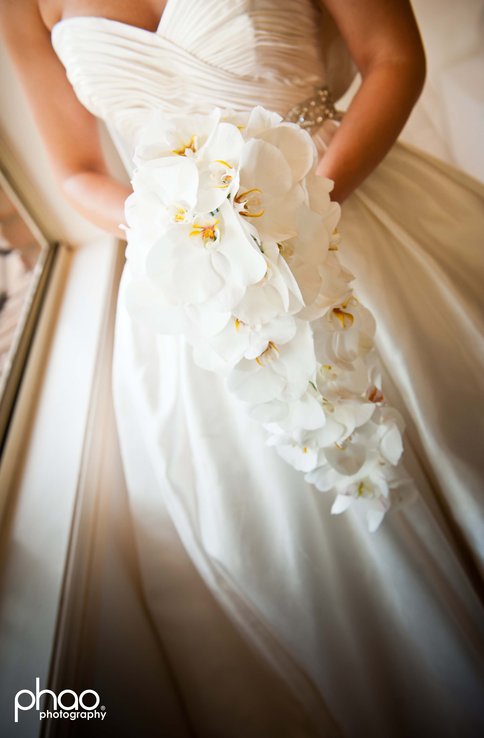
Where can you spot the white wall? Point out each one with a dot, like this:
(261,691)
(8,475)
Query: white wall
(448,120)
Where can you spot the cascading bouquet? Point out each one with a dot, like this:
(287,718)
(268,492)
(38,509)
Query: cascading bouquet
(232,242)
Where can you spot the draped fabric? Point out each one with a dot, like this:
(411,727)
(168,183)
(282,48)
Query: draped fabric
(379,634)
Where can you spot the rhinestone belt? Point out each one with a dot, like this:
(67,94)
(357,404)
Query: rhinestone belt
(312,113)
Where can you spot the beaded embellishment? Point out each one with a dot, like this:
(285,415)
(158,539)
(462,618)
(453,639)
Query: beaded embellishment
(312,113)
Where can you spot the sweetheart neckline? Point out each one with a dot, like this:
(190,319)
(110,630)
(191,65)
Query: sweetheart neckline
(102,18)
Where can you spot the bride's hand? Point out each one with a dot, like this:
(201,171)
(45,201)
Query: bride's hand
(383,39)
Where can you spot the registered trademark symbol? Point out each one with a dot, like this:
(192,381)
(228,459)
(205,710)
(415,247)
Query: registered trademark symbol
(103,708)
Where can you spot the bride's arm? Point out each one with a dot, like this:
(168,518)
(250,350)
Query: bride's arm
(383,39)
(69,131)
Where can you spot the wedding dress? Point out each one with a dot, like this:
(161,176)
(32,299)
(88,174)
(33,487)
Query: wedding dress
(380,633)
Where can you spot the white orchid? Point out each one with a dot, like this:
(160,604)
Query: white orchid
(164,193)
(297,148)
(279,371)
(318,191)
(240,340)
(362,467)
(219,167)
(336,383)
(208,261)
(344,333)
(301,453)
(276,294)
(320,276)
(260,120)
(268,196)
(372,492)
(313,239)
(281,418)
(232,242)
(310,441)
(177,135)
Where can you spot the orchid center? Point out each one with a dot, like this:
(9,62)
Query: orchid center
(342,314)
(270,353)
(342,445)
(222,174)
(364,490)
(346,319)
(178,214)
(187,149)
(328,372)
(250,203)
(208,231)
(375,395)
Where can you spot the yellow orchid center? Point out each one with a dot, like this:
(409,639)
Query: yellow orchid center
(375,395)
(328,373)
(251,203)
(346,319)
(190,146)
(238,323)
(344,443)
(344,316)
(180,215)
(364,490)
(225,176)
(270,352)
(207,231)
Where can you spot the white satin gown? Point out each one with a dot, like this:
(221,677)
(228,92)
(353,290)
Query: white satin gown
(377,635)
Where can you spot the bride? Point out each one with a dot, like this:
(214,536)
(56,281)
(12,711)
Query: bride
(379,634)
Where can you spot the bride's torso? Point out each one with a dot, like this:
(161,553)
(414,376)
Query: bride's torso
(203,53)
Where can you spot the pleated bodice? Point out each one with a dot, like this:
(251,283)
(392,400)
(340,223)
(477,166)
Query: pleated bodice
(204,53)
